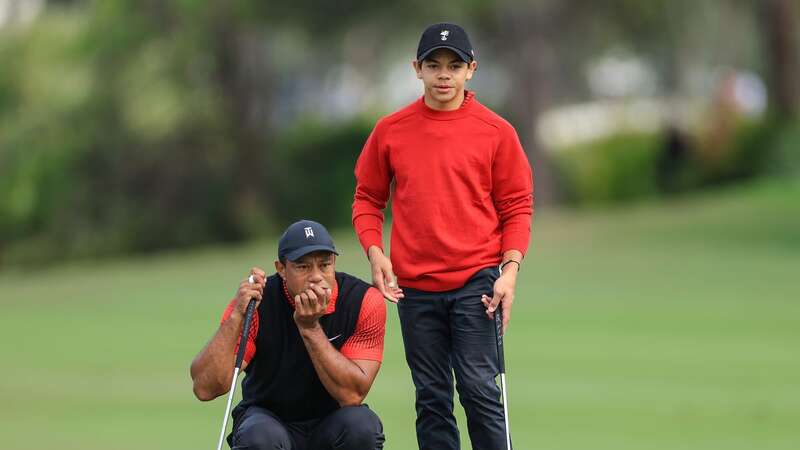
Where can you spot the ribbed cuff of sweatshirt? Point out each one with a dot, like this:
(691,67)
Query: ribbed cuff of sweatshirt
(516,237)
(368,238)
(369,229)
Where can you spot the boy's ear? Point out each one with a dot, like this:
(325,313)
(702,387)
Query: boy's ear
(471,68)
(417,65)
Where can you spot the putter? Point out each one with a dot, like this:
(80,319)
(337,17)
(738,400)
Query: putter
(501,360)
(239,357)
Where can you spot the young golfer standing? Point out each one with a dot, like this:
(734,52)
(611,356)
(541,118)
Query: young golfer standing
(462,203)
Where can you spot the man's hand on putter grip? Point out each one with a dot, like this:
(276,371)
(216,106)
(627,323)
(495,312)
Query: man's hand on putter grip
(503,296)
(310,305)
(249,290)
(382,276)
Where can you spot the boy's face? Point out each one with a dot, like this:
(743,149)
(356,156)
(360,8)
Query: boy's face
(444,75)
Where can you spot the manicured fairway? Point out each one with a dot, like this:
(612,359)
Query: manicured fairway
(669,326)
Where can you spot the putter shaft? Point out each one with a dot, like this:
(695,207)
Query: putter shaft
(228,408)
(501,362)
(248,318)
(505,410)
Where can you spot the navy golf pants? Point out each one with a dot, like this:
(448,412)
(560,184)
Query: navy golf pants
(446,333)
(347,428)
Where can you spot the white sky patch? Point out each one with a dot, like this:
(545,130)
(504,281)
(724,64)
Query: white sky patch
(19,11)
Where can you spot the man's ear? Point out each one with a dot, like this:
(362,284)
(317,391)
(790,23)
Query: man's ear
(417,65)
(281,269)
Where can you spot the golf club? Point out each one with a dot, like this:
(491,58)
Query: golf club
(501,360)
(239,357)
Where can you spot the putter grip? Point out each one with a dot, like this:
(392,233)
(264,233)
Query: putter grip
(248,318)
(498,334)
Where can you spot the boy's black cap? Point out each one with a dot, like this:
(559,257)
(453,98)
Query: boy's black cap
(304,237)
(445,35)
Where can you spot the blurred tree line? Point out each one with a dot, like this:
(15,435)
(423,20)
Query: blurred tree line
(140,125)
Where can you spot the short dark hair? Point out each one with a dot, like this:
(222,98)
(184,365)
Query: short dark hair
(329,253)
(429,55)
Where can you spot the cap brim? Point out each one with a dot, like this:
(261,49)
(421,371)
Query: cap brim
(294,255)
(464,57)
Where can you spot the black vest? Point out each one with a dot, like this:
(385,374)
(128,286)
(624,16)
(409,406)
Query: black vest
(281,377)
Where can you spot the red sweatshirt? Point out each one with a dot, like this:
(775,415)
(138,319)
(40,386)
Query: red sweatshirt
(462,193)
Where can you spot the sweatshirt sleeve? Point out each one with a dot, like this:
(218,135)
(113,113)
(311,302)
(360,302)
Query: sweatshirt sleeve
(512,191)
(373,178)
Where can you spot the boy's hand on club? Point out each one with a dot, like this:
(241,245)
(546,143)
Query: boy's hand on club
(503,297)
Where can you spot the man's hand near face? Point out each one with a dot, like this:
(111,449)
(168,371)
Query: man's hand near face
(310,305)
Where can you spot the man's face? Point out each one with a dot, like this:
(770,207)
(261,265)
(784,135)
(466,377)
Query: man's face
(315,267)
(444,75)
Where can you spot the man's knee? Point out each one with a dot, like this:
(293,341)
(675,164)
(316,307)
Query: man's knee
(358,428)
(261,432)
(255,437)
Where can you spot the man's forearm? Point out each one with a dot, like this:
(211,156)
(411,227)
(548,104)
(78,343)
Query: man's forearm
(342,378)
(212,368)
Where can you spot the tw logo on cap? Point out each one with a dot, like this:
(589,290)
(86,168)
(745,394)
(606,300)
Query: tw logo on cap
(444,34)
(309,232)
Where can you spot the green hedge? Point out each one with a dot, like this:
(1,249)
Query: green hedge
(312,170)
(619,168)
(628,167)
(102,155)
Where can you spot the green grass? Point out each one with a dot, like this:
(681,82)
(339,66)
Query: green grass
(669,326)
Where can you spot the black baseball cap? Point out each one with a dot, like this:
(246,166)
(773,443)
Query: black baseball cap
(445,35)
(302,238)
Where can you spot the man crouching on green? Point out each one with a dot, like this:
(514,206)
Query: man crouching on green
(313,351)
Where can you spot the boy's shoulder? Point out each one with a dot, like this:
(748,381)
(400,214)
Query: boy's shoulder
(402,113)
(478,111)
(485,114)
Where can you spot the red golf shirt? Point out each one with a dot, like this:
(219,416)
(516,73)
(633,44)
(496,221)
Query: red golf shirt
(462,194)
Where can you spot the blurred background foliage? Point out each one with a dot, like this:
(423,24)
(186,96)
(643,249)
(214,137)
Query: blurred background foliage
(657,306)
(132,126)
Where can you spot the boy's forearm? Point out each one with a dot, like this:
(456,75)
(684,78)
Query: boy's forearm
(511,263)
(373,179)
(516,233)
